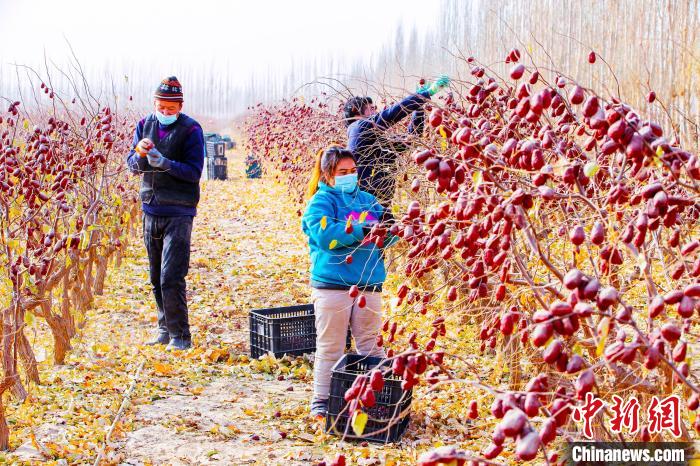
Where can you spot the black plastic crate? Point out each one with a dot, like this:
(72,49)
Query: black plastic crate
(215,147)
(385,421)
(217,168)
(284,330)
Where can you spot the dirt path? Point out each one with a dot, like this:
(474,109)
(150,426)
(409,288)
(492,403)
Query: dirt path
(246,254)
(211,405)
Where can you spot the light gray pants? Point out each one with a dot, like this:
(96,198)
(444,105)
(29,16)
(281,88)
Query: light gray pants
(334,309)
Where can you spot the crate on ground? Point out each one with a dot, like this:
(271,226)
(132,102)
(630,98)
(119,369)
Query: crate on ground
(387,420)
(230,143)
(217,168)
(215,148)
(284,330)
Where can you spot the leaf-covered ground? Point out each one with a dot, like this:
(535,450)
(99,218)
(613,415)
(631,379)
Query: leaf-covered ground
(211,405)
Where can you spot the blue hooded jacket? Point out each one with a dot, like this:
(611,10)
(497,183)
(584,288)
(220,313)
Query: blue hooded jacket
(330,244)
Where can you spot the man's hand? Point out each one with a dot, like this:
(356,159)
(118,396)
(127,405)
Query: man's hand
(144,146)
(156,159)
(433,88)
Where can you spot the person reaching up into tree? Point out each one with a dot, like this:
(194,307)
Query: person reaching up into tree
(375,152)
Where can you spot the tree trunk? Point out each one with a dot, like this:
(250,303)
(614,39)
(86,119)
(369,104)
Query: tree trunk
(87,280)
(66,307)
(26,353)
(100,274)
(79,294)
(61,343)
(87,286)
(9,355)
(61,330)
(4,429)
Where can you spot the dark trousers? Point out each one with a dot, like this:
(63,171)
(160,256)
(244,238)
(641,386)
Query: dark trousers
(168,244)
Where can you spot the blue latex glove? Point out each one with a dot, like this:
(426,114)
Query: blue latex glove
(156,159)
(433,88)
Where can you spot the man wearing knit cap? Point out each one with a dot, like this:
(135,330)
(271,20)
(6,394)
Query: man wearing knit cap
(168,151)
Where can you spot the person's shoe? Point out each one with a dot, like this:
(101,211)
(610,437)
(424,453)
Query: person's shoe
(162,339)
(179,344)
(319,408)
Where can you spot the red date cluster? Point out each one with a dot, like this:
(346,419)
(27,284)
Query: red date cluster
(570,217)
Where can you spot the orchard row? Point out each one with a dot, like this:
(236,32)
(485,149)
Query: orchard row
(564,222)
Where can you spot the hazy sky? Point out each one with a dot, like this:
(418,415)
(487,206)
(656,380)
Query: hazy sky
(253,35)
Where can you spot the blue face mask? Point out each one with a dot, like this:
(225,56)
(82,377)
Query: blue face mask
(166,120)
(346,183)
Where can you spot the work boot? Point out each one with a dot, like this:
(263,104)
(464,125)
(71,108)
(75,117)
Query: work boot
(180,344)
(319,408)
(161,339)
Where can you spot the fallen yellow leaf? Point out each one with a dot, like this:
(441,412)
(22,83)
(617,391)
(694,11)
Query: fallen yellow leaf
(163,369)
(359,421)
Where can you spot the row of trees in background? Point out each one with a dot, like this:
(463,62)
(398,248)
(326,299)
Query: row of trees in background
(67,209)
(557,223)
(650,44)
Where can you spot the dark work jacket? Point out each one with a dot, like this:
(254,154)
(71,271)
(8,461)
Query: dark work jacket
(158,184)
(376,153)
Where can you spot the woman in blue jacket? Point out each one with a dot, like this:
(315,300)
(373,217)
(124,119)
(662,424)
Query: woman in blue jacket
(338,217)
